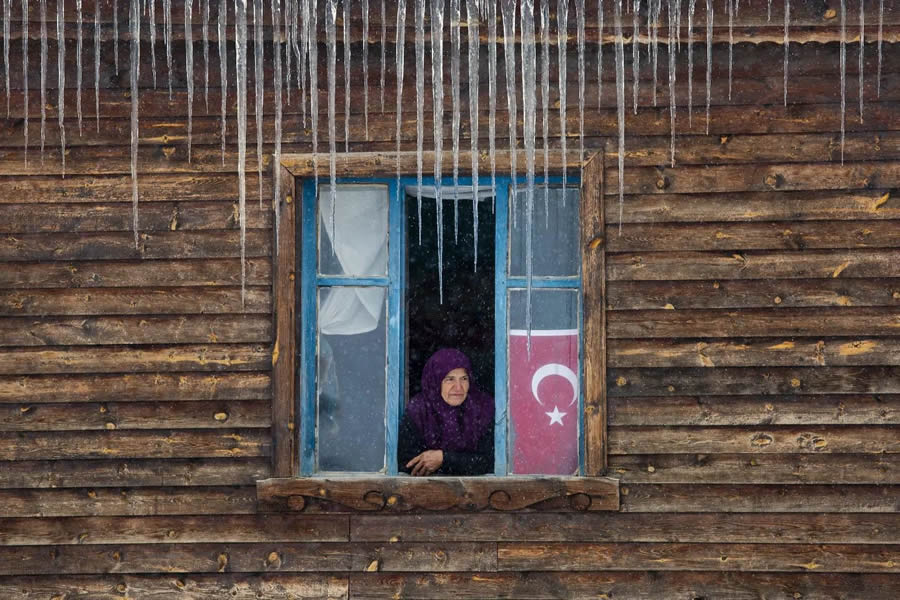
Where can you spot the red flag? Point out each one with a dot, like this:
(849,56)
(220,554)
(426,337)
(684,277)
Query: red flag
(543,401)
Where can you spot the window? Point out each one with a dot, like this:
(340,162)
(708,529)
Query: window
(353,307)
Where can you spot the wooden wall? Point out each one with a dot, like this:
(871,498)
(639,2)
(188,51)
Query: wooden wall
(753,325)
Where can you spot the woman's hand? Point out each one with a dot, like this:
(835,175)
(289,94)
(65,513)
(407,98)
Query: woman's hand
(426,463)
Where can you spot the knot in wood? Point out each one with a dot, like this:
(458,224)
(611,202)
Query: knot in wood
(580,501)
(499,500)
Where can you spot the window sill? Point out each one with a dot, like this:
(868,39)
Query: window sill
(410,494)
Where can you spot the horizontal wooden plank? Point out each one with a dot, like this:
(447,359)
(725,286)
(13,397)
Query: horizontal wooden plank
(743,528)
(750,352)
(698,557)
(770,322)
(134,301)
(119,359)
(135,415)
(113,246)
(242,586)
(70,502)
(779,439)
(233,528)
(823,264)
(842,205)
(96,330)
(760,293)
(134,444)
(756,410)
(134,472)
(539,585)
(148,273)
(135,387)
(753,381)
(757,469)
(791,235)
(657,498)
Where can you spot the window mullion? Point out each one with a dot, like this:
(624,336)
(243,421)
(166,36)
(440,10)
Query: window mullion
(396,353)
(501,284)
(308,330)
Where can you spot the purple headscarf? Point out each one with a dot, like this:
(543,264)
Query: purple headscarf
(445,427)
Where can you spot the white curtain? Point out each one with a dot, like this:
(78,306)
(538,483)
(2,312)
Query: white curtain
(360,245)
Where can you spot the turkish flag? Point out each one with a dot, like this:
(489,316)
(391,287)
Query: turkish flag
(543,401)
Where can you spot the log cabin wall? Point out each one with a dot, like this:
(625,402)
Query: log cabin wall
(753,374)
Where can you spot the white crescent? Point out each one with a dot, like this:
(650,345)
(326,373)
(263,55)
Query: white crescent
(554,369)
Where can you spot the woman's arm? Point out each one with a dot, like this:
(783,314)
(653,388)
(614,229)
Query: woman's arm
(410,444)
(479,462)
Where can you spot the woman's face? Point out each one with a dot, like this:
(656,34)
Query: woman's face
(455,387)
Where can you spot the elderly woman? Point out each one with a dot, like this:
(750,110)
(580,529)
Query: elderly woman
(448,428)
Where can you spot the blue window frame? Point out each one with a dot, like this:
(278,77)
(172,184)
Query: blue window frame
(510,284)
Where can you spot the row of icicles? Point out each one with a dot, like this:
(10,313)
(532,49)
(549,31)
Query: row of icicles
(296,29)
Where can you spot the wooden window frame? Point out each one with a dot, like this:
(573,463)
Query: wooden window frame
(287,491)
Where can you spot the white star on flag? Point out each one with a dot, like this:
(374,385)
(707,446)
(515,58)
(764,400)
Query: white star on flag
(556,416)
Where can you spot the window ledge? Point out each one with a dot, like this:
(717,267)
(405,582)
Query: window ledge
(409,494)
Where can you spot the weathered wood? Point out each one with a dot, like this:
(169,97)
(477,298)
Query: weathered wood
(636,295)
(119,359)
(134,301)
(833,469)
(743,381)
(785,439)
(637,497)
(133,472)
(593,273)
(825,264)
(756,410)
(698,557)
(745,528)
(136,387)
(111,246)
(134,415)
(241,586)
(127,501)
(403,494)
(162,273)
(133,444)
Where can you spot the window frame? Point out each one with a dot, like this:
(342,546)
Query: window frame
(288,491)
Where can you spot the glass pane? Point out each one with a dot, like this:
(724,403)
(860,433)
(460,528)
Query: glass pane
(350,379)
(554,233)
(544,384)
(356,242)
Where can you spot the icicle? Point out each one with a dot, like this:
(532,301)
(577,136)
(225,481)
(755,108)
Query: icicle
(295,45)
(528,131)
(635,52)
(730,4)
(691,7)
(223,66)
(599,54)
(167,31)
(240,43)
(134,24)
(673,35)
(258,86)
(579,18)
(78,65)
(437,92)
(205,34)
(562,23)
(399,68)
(474,55)
(862,53)
(383,51)
(7,17)
(96,67)
(331,36)
(769,12)
(653,25)
(420,104)
(620,104)
(276,80)
(115,12)
(843,72)
(305,52)
(61,78)
(491,15)
(347,83)
(313,56)
(455,49)
(709,42)
(365,62)
(189,70)
(290,16)
(880,40)
(44,51)
(545,101)
(508,8)
(152,24)
(25,72)
(787,20)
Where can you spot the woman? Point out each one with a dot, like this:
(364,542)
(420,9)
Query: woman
(448,428)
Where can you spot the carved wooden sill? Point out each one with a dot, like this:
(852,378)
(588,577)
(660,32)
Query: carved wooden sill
(466,494)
